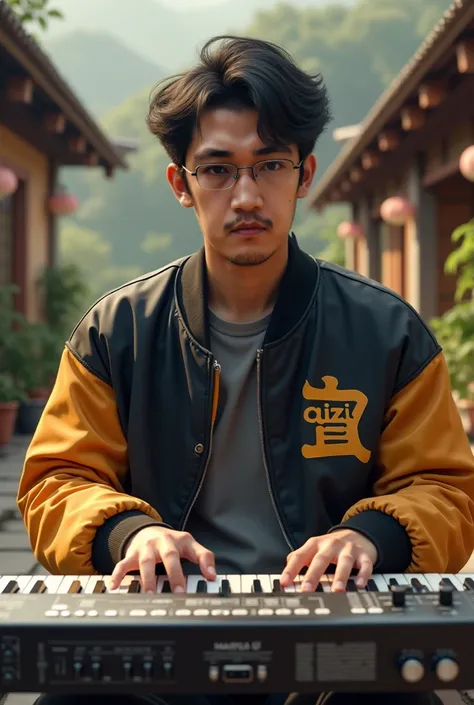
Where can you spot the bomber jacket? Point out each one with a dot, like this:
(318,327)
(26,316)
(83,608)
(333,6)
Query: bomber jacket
(358,425)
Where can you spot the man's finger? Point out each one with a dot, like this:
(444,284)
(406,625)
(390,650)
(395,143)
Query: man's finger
(172,563)
(147,564)
(200,555)
(316,570)
(366,568)
(120,571)
(345,563)
(296,561)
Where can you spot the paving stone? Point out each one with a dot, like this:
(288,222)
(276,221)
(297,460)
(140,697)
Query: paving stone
(14,542)
(13,526)
(17,562)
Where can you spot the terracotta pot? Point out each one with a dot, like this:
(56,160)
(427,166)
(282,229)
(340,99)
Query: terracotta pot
(40,393)
(8,413)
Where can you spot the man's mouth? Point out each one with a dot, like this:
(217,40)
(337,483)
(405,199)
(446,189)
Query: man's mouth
(248,229)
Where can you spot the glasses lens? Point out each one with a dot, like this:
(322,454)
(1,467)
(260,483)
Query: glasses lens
(216,177)
(273,171)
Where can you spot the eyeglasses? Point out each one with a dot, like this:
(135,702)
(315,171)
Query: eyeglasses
(218,177)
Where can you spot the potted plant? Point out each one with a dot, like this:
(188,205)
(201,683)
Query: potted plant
(455,328)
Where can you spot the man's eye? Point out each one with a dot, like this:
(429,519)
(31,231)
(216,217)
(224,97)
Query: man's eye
(216,170)
(273,165)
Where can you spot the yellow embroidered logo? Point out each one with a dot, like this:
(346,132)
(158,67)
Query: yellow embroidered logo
(336,417)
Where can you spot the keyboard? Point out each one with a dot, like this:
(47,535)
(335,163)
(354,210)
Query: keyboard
(228,584)
(238,634)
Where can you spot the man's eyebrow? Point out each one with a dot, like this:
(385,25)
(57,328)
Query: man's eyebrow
(214,152)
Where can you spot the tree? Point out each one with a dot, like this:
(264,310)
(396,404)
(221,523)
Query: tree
(34,12)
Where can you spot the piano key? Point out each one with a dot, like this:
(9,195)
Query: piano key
(434,580)
(468,581)
(214,586)
(450,579)
(21,581)
(65,584)
(201,586)
(11,587)
(75,587)
(163,584)
(234,582)
(246,582)
(257,586)
(276,587)
(225,588)
(95,585)
(51,583)
(381,583)
(193,582)
(396,579)
(418,582)
(326,583)
(38,587)
(351,586)
(265,582)
(372,585)
(135,587)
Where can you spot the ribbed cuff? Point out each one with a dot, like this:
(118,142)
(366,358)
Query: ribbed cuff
(113,534)
(390,538)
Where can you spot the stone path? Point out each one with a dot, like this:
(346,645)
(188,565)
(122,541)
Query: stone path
(16,556)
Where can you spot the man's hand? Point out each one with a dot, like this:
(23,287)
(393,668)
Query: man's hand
(346,548)
(158,544)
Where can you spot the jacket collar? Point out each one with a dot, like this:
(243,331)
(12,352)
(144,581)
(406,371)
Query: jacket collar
(297,290)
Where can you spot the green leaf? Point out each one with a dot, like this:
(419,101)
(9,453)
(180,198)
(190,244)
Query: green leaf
(56,13)
(42,22)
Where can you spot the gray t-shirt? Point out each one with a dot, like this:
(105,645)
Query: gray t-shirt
(233,515)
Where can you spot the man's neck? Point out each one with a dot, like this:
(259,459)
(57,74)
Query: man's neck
(244,293)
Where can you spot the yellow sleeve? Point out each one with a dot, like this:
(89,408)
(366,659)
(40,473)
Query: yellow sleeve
(74,471)
(426,479)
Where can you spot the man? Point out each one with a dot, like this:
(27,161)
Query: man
(249,409)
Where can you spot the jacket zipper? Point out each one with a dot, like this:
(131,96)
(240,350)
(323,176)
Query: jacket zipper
(216,372)
(262,440)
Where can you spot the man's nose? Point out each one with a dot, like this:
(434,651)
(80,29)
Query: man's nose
(246,194)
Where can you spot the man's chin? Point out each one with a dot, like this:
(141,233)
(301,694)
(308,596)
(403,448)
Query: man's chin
(249,259)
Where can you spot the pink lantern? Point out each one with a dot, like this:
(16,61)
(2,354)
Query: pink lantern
(466,163)
(347,229)
(8,182)
(63,203)
(397,210)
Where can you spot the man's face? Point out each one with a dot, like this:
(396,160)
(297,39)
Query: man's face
(247,223)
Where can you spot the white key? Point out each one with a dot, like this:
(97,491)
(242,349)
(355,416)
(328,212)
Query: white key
(267,585)
(246,582)
(326,582)
(214,586)
(191,583)
(380,582)
(52,583)
(419,576)
(4,580)
(66,584)
(434,580)
(399,577)
(125,584)
(235,584)
(22,581)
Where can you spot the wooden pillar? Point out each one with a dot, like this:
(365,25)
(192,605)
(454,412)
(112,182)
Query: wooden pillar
(371,237)
(52,219)
(423,245)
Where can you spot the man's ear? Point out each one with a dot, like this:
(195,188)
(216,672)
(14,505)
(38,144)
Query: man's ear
(176,180)
(310,166)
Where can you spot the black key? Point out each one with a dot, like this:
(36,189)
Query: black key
(134,587)
(75,588)
(319,588)
(201,586)
(351,586)
(276,585)
(166,586)
(225,588)
(447,582)
(11,587)
(393,581)
(468,584)
(257,585)
(417,586)
(38,587)
(99,587)
(372,585)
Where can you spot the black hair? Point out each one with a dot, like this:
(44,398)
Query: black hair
(241,72)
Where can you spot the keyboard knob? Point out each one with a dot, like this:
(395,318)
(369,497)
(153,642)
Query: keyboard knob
(398,595)
(446,595)
(447,669)
(412,670)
